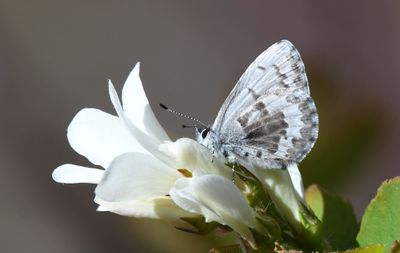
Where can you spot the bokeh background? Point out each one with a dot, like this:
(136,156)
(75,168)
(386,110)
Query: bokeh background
(56,56)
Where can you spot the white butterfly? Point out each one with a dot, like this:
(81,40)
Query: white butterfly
(269,119)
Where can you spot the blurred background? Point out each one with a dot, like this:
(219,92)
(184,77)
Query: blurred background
(56,56)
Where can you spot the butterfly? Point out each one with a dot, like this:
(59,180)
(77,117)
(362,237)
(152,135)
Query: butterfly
(269,119)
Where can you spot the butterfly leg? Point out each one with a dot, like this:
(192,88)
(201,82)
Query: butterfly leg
(236,172)
(234,164)
(213,153)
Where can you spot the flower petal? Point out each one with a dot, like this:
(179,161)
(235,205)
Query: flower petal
(137,107)
(297,181)
(73,174)
(135,176)
(100,137)
(217,199)
(280,188)
(195,157)
(148,142)
(156,208)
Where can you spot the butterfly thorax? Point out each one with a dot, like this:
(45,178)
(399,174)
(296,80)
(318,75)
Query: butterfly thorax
(218,143)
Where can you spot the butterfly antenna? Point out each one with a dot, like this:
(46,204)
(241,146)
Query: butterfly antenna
(182,115)
(190,126)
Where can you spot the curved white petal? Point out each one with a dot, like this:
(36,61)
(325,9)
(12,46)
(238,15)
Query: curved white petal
(297,181)
(217,199)
(156,208)
(148,142)
(195,157)
(280,188)
(100,136)
(73,174)
(137,107)
(135,176)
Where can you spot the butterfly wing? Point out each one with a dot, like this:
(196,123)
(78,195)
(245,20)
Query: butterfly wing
(269,118)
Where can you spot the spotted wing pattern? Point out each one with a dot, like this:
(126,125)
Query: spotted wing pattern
(269,118)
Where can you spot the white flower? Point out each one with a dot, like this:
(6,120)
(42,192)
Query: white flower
(142,176)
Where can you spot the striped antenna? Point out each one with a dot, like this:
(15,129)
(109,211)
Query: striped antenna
(182,115)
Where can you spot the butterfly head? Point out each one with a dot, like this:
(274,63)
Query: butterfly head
(207,137)
(202,133)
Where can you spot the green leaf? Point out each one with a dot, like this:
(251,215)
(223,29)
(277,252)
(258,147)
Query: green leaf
(374,248)
(339,224)
(381,220)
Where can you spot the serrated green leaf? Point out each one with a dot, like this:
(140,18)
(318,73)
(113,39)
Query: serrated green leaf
(339,224)
(396,247)
(381,220)
(374,248)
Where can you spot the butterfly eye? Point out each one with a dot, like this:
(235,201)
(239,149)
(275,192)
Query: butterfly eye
(205,132)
